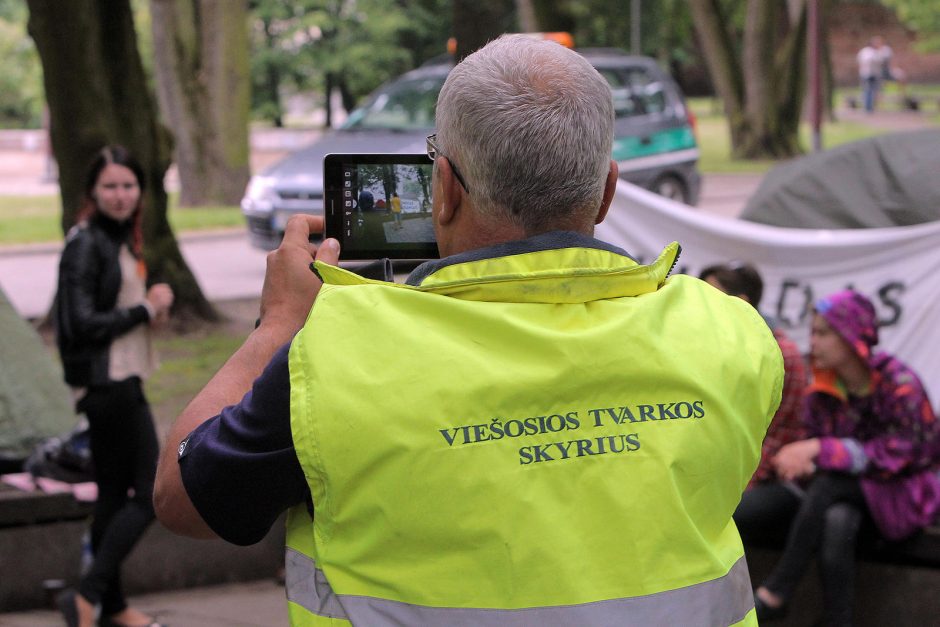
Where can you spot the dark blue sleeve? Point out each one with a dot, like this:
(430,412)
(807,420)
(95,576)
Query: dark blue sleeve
(239,468)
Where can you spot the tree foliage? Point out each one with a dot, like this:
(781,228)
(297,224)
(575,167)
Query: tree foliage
(21,96)
(350,46)
(922,16)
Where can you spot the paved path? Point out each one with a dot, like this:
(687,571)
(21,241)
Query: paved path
(254,604)
(890,120)
(224,263)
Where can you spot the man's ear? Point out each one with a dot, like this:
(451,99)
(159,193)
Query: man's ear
(453,191)
(610,186)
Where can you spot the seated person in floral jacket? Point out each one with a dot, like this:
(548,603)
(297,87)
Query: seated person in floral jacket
(873,454)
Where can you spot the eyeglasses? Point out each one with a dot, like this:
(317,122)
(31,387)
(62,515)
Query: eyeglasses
(433,151)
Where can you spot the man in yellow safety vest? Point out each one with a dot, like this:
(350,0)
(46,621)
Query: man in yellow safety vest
(533,429)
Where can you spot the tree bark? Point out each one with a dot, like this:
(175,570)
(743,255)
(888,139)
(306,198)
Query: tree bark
(97,94)
(554,16)
(790,64)
(757,63)
(201,54)
(763,85)
(526,13)
(476,22)
(720,58)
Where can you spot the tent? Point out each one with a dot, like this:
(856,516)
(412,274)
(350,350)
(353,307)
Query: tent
(884,181)
(34,400)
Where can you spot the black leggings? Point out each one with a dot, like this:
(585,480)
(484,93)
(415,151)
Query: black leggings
(827,522)
(124,448)
(765,512)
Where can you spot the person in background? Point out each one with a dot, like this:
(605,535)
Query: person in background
(874,66)
(769,504)
(103,315)
(534,430)
(395,204)
(872,454)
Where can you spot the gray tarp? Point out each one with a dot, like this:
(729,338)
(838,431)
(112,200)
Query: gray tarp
(890,180)
(34,400)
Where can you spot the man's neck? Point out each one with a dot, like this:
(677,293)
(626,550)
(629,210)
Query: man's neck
(479,232)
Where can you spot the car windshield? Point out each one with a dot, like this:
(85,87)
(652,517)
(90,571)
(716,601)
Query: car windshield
(401,106)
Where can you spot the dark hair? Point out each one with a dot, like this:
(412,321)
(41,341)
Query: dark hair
(118,155)
(737,279)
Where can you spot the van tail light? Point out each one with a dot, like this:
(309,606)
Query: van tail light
(693,122)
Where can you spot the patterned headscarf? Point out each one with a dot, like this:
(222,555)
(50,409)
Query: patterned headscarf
(853,317)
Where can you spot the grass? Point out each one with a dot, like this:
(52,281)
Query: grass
(187,361)
(715,142)
(32,219)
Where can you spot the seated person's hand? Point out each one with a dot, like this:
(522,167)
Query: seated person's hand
(796,460)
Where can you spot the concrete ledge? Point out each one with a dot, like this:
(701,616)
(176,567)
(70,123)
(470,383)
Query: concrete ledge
(32,552)
(28,508)
(896,584)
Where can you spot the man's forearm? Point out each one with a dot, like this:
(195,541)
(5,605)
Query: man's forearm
(286,298)
(227,387)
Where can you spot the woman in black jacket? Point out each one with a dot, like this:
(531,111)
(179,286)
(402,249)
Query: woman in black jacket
(103,313)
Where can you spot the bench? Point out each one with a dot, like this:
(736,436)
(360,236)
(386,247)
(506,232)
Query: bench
(40,540)
(896,583)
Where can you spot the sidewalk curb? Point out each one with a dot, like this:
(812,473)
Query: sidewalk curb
(44,248)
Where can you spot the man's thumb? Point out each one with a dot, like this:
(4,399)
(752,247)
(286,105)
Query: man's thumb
(328,252)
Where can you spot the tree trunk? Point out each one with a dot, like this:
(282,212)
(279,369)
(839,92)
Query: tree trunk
(328,99)
(762,87)
(201,66)
(526,13)
(790,64)
(272,79)
(828,84)
(722,63)
(97,95)
(758,62)
(554,16)
(476,22)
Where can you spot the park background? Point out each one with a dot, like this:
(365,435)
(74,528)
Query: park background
(298,67)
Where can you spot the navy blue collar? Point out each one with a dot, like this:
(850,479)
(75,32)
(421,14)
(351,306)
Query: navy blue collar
(545,241)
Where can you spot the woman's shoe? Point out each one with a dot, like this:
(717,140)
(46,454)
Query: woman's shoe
(766,612)
(65,601)
(108,621)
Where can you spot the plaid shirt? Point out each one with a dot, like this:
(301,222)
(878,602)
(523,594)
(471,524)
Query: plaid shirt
(787,425)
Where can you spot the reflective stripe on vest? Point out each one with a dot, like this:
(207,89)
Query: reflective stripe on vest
(722,601)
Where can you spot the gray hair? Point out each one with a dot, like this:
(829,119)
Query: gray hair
(529,124)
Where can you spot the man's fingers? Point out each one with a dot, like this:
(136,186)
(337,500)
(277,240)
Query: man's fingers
(328,252)
(299,228)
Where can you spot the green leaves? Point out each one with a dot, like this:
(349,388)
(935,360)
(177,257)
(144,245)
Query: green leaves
(356,44)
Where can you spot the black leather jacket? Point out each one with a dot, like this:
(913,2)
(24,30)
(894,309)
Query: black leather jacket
(86,319)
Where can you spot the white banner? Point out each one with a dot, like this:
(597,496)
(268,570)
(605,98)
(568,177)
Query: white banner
(898,268)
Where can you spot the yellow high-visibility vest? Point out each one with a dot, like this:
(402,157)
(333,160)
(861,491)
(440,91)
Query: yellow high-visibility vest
(550,438)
